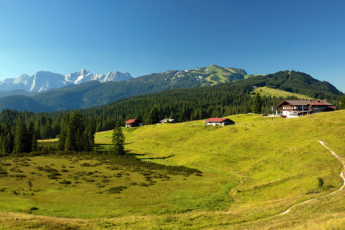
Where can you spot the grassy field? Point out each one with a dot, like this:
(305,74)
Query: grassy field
(265,91)
(250,172)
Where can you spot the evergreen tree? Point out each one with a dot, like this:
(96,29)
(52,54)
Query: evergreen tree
(342,103)
(90,132)
(34,143)
(118,140)
(78,142)
(153,117)
(257,103)
(85,144)
(63,133)
(75,123)
(21,137)
(8,144)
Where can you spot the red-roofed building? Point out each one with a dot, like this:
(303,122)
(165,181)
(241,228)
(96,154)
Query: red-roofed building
(219,121)
(133,123)
(295,108)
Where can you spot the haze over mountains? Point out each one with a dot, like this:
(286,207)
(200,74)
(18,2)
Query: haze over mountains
(45,80)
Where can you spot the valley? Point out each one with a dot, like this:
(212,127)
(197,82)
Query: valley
(248,173)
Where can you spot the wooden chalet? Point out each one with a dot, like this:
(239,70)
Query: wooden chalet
(133,123)
(219,121)
(295,108)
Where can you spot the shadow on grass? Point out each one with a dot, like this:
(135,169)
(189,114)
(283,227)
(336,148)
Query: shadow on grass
(157,158)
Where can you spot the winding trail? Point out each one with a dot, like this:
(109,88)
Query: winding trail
(87,224)
(342,175)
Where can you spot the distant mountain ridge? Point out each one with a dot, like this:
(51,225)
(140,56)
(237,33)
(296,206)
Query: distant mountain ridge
(94,93)
(45,80)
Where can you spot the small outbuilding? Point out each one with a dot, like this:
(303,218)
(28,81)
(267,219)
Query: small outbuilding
(167,120)
(133,123)
(219,121)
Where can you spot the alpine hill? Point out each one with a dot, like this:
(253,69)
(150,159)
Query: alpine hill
(94,93)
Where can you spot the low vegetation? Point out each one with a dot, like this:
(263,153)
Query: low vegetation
(186,176)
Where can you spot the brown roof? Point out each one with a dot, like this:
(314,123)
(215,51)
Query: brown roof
(217,119)
(130,121)
(304,102)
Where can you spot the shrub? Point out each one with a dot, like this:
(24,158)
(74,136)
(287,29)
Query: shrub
(3,172)
(105,180)
(65,182)
(320,182)
(116,190)
(53,175)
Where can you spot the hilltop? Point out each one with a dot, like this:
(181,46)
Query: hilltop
(249,172)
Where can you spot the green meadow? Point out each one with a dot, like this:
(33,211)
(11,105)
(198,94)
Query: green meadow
(265,91)
(189,176)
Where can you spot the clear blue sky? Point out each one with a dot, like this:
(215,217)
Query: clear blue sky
(142,37)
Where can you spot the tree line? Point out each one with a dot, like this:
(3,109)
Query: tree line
(179,104)
(18,139)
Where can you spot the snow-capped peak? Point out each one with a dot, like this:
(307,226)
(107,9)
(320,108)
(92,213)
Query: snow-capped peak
(45,80)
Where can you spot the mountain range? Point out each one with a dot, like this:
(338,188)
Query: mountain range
(96,93)
(45,80)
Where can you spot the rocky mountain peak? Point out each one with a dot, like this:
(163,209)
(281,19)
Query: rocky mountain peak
(45,80)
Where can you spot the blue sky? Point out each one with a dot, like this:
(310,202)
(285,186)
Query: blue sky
(142,37)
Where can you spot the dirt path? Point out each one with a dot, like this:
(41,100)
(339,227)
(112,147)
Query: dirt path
(88,224)
(342,175)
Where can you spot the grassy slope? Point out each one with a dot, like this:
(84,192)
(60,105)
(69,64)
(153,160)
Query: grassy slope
(254,169)
(276,162)
(219,73)
(264,91)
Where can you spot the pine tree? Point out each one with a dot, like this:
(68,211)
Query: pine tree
(63,133)
(34,143)
(257,103)
(20,137)
(75,123)
(118,140)
(78,143)
(8,143)
(85,144)
(342,103)
(153,116)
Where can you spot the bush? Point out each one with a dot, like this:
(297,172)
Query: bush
(53,175)
(3,172)
(320,182)
(65,182)
(116,190)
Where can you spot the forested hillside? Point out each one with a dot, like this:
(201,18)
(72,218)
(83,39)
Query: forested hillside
(94,93)
(185,104)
